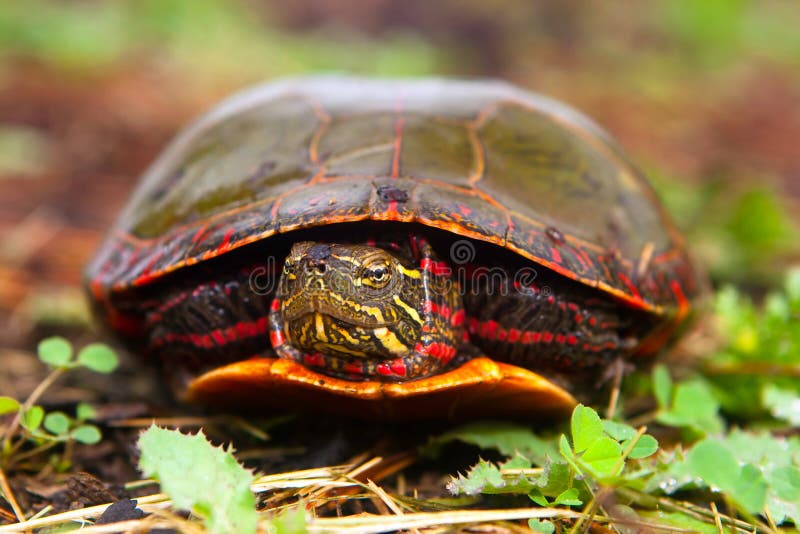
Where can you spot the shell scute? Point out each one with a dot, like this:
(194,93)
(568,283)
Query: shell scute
(478,159)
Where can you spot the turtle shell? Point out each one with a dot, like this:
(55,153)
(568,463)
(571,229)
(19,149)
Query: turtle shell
(479,159)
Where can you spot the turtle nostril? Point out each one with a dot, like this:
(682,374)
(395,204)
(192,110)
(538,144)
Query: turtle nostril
(316,267)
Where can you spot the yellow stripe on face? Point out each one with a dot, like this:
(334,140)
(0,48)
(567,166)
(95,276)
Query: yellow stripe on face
(319,324)
(327,348)
(411,273)
(409,310)
(390,341)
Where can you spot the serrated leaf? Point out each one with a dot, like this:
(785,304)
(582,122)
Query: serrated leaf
(602,456)
(183,464)
(662,386)
(645,446)
(555,478)
(586,428)
(8,405)
(484,477)
(55,351)
(507,438)
(98,357)
(569,497)
(86,434)
(32,418)
(56,423)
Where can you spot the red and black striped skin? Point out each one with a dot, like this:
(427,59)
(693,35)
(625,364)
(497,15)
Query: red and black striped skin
(518,175)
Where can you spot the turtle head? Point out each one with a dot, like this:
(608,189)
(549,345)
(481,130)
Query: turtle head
(350,301)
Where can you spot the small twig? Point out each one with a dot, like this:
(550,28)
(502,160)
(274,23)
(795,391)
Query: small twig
(30,401)
(9,496)
(615,388)
(717,518)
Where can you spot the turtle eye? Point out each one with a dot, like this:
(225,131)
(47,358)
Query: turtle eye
(288,269)
(377,276)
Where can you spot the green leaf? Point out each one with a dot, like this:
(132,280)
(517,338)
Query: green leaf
(55,351)
(507,438)
(185,464)
(793,287)
(87,434)
(645,446)
(618,431)
(715,465)
(32,418)
(57,423)
(694,406)
(85,412)
(8,405)
(541,525)
(750,489)
(484,477)
(662,386)
(569,497)
(782,403)
(586,428)
(98,357)
(291,521)
(602,457)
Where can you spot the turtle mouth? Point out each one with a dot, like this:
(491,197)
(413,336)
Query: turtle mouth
(350,314)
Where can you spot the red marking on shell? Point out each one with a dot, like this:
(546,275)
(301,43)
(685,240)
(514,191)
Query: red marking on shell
(458,318)
(514,335)
(200,235)
(398,144)
(391,210)
(226,242)
(383,369)
(556,255)
(632,288)
(680,297)
(572,340)
(275,306)
(547,337)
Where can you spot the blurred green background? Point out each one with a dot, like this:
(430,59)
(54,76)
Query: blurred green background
(703,95)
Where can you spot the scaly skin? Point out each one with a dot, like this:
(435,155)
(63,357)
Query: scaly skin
(389,311)
(360,311)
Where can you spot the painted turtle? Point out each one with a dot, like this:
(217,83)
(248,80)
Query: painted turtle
(393,249)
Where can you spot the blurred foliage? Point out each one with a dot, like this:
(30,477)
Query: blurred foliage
(212,37)
(743,234)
